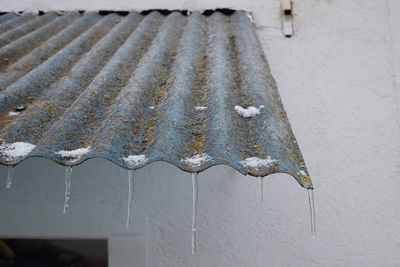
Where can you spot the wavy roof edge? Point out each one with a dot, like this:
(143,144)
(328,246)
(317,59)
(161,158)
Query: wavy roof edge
(195,91)
(125,12)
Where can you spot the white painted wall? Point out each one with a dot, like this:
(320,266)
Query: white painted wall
(339,81)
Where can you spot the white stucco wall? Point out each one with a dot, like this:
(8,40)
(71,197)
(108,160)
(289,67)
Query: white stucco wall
(339,82)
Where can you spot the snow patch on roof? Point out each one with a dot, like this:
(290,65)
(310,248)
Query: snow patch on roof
(74,154)
(12,151)
(303,173)
(12,113)
(250,16)
(200,108)
(256,163)
(196,160)
(248,112)
(135,160)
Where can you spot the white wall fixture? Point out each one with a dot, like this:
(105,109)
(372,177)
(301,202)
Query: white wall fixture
(287,18)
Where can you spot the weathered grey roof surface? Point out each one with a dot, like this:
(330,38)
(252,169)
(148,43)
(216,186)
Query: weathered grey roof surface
(141,88)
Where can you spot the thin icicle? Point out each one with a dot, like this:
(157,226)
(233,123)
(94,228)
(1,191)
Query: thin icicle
(10,174)
(68,173)
(312,211)
(260,180)
(130,191)
(194,211)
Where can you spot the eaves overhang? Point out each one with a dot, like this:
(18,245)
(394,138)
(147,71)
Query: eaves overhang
(195,91)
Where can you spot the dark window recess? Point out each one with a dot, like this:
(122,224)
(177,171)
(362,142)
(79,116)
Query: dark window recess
(53,253)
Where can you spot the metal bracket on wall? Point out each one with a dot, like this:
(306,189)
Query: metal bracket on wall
(287,18)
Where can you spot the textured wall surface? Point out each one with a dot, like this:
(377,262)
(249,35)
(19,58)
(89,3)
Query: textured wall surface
(339,82)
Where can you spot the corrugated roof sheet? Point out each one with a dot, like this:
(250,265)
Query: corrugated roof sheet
(195,91)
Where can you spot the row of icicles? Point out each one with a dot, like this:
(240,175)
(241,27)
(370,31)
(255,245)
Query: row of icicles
(68,173)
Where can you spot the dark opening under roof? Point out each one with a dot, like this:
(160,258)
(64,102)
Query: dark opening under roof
(191,89)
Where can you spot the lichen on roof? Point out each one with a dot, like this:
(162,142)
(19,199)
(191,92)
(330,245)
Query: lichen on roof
(193,89)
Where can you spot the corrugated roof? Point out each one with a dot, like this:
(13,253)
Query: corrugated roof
(195,91)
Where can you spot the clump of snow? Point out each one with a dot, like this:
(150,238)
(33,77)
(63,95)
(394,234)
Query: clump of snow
(250,16)
(135,160)
(196,160)
(12,113)
(256,163)
(12,151)
(200,108)
(74,154)
(303,173)
(248,112)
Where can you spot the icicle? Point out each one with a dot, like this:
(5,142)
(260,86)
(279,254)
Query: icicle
(130,190)
(10,174)
(312,211)
(260,180)
(68,172)
(194,211)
